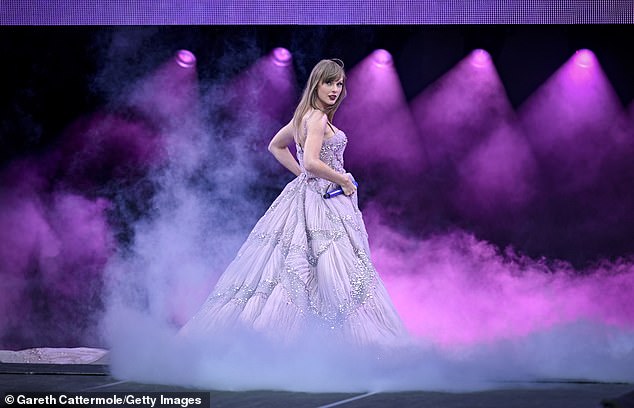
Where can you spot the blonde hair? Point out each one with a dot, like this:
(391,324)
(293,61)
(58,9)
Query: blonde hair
(326,70)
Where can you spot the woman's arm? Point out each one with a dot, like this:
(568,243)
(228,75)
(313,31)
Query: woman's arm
(279,148)
(312,146)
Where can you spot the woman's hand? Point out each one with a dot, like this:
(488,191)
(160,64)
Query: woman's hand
(348,186)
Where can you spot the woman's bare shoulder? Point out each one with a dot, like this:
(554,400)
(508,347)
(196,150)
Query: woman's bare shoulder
(288,127)
(315,118)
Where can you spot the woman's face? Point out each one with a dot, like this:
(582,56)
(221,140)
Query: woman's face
(328,92)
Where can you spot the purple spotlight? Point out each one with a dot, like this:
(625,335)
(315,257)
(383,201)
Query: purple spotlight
(282,57)
(480,58)
(382,58)
(185,59)
(584,58)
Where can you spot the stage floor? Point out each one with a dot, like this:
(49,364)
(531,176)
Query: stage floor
(96,378)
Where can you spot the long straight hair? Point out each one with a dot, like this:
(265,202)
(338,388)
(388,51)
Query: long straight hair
(326,70)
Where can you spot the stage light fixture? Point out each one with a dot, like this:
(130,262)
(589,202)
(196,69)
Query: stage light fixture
(583,58)
(185,59)
(382,58)
(480,58)
(282,57)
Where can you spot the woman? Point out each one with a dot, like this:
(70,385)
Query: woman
(307,260)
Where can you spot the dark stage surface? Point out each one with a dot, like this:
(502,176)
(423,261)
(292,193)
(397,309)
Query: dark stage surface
(86,378)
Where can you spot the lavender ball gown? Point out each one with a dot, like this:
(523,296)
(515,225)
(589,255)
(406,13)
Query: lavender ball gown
(306,261)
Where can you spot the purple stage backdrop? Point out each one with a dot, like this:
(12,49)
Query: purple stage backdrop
(322,12)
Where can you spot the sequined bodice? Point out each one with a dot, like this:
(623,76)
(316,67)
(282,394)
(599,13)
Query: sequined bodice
(331,153)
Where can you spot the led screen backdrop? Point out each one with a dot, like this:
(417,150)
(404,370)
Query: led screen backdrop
(324,12)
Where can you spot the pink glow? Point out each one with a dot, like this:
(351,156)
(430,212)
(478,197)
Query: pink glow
(169,96)
(382,58)
(282,57)
(570,121)
(54,244)
(584,58)
(454,113)
(185,59)
(498,175)
(480,58)
(261,97)
(377,120)
(107,146)
(22,226)
(473,143)
(80,246)
(455,290)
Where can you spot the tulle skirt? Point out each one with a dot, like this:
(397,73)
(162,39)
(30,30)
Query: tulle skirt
(306,264)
